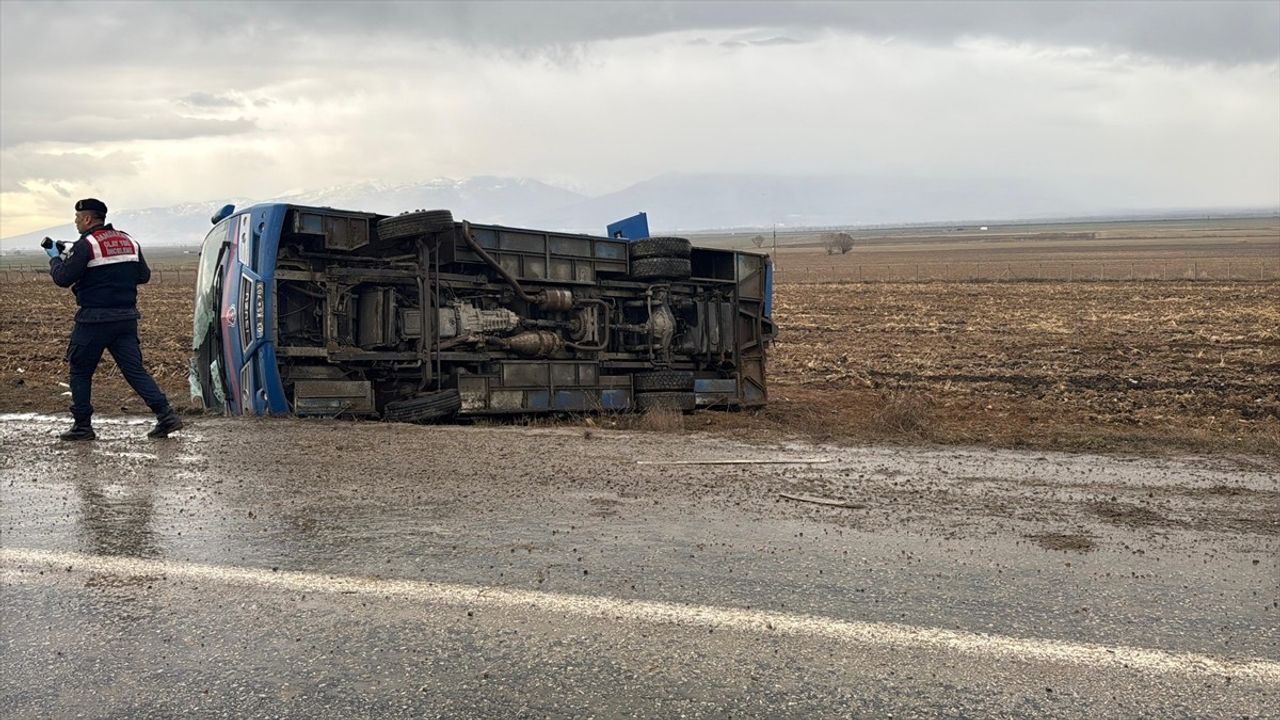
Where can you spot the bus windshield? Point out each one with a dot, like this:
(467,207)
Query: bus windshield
(206,371)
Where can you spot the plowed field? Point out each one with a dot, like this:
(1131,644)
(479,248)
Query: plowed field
(1130,366)
(1042,364)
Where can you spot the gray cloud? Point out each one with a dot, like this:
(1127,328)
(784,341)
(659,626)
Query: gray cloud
(776,41)
(767,42)
(23,167)
(1223,32)
(88,129)
(1226,32)
(209,100)
(1164,104)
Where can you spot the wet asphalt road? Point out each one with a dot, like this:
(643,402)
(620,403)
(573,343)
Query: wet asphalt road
(325,569)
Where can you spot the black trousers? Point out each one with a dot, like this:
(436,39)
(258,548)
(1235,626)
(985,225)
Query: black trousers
(88,340)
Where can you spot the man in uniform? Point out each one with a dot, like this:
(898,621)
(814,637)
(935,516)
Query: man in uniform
(104,269)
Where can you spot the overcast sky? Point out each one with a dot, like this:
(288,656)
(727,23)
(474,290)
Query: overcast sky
(1113,105)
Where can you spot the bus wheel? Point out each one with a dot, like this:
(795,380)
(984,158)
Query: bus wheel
(672,247)
(682,401)
(415,224)
(424,408)
(661,268)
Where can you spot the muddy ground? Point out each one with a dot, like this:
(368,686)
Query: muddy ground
(1121,366)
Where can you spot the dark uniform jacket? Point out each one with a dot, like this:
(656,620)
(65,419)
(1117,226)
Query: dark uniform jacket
(104,269)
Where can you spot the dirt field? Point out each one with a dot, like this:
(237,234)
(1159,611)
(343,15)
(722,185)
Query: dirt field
(1241,249)
(1124,366)
(1083,365)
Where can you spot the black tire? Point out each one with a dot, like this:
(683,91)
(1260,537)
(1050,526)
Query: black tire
(415,224)
(682,401)
(424,408)
(664,381)
(661,268)
(672,247)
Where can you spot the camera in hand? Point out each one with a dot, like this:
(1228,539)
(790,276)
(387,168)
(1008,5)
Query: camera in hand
(49,242)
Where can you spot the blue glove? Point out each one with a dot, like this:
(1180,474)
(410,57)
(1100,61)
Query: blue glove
(52,251)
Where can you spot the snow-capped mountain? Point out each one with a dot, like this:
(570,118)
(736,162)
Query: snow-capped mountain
(497,200)
(675,202)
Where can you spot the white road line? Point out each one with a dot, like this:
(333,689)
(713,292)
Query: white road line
(22,561)
(795,461)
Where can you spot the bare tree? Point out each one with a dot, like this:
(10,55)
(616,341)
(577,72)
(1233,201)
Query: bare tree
(758,241)
(841,242)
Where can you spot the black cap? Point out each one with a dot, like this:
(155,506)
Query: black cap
(92,205)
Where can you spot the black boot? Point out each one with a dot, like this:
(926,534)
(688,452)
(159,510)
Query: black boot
(167,421)
(81,430)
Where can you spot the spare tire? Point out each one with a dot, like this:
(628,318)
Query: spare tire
(424,408)
(415,224)
(661,267)
(682,401)
(664,380)
(660,247)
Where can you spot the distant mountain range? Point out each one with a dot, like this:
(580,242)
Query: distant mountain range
(674,202)
(484,199)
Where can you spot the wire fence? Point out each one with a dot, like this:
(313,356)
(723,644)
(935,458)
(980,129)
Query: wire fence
(161,274)
(841,271)
(1181,270)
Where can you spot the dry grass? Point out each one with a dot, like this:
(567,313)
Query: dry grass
(1096,366)
(660,420)
(904,414)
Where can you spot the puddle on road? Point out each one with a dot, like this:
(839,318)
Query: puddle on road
(554,509)
(63,419)
(122,437)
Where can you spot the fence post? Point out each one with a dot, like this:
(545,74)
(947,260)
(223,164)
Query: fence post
(1195,271)
(917,272)
(1228,271)
(1071,272)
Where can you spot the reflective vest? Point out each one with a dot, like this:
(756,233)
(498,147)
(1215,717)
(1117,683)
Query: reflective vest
(110,246)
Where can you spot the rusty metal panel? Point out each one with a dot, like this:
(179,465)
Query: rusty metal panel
(510,263)
(561,269)
(512,400)
(474,392)
(341,232)
(524,374)
(611,249)
(561,245)
(331,397)
(522,242)
(750,276)
(563,374)
(376,313)
(534,268)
